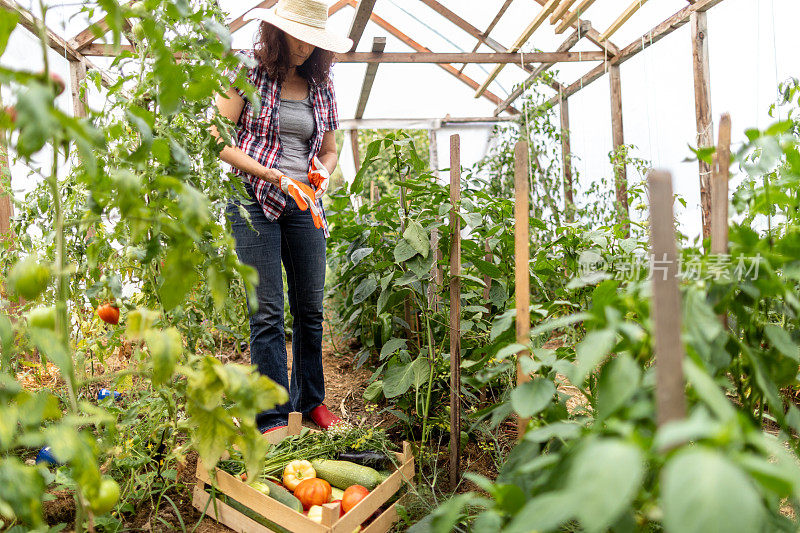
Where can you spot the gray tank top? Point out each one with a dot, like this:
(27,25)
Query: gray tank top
(296,130)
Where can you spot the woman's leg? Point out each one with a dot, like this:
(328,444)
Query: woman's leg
(303,252)
(261,249)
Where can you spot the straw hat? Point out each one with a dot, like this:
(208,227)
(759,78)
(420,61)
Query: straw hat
(305,20)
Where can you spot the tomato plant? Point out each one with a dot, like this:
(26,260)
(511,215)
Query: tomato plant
(132,198)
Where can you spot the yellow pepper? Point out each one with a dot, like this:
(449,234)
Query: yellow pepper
(297,471)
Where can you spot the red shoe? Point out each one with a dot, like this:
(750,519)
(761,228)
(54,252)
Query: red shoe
(323,417)
(272,429)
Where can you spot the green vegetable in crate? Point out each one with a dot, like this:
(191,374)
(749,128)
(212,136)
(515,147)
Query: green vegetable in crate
(378,460)
(280,494)
(336,494)
(343,474)
(260,487)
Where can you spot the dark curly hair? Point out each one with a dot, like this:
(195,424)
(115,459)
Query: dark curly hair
(272,52)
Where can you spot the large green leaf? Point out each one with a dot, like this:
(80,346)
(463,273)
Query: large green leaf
(532,397)
(404,251)
(779,338)
(605,477)
(592,350)
(391,346)
(180,276)
(360,254)
(703,491)
(400,378)
(8,20)
(364,290)
(618,383)
(417,237)
(544,513)
(165,348)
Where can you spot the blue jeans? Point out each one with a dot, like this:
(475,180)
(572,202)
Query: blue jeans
(293,240)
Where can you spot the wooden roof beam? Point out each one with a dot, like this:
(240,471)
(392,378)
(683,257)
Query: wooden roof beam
(450,69)
(571,41)
(559,12)
(439,58)
(489,29)
(591,34)
(378,45)
(676,21)
(521,40)
(55,42)
(464,25)
(88,35)
(239,22)
(360,19)
(622,19)
(571,17)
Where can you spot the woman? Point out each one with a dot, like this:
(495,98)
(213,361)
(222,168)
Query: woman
(285,155)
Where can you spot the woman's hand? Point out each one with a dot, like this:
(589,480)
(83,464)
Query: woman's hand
(271,175)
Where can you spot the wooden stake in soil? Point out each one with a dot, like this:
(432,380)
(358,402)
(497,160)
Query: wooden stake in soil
(455,311)
(719,188)
(702,105)
(566,161)
(666,304)
(522,291)
(354,147)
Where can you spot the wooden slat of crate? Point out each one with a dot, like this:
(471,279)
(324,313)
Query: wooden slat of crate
(225,513)
(366,507)
(271,509)
(386,520)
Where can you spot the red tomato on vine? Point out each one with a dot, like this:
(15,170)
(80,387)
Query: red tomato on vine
(108,313)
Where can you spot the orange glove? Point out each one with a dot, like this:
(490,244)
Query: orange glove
(319,176)
(304,197)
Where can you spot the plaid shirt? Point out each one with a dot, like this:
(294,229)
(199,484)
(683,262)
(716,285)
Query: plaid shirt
(259,136)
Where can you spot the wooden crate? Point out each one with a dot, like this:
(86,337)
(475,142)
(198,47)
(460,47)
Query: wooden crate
(289,519)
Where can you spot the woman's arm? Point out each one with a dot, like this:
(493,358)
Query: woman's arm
(328,154)
(231,108)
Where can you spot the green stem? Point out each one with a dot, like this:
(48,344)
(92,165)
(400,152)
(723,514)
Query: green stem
(432,360)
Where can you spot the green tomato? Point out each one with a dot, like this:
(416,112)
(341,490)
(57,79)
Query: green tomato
(138,31)
(107,496)
(29,278)
(139,9)
(42,317)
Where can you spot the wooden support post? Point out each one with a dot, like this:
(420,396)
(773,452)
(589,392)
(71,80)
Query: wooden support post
(6,204)
(522,291)
(354,146)
(618,138)
(566,161)
(666,304)
(719,188)
(702,105)
(77,73)
(455,311)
